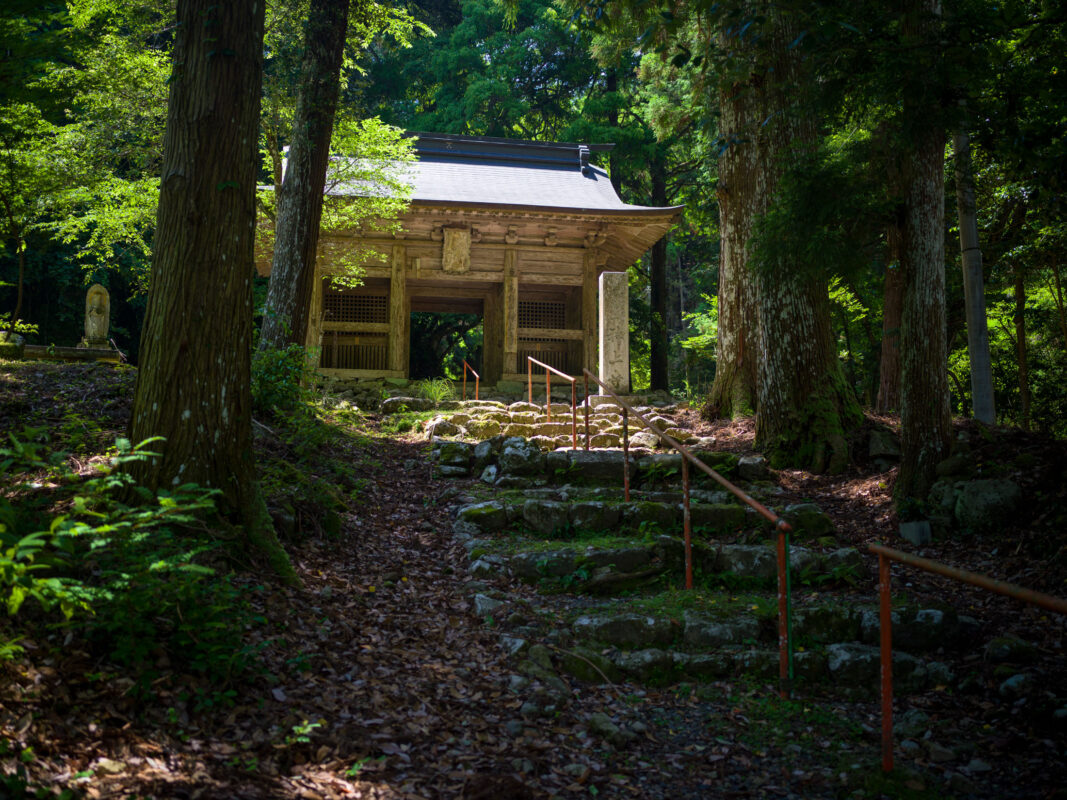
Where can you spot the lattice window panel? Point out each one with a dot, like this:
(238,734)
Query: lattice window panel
(554,352)
(347,306)
(354,352)
(539,314)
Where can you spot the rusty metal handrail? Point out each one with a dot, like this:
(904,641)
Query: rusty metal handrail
(530,361)
(785,644)
(477,378)
(885,614)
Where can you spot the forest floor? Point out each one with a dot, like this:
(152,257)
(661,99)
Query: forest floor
(376,680)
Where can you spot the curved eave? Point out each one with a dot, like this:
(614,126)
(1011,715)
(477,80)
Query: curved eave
(630,230)
(618,211)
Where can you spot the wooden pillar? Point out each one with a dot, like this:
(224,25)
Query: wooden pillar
(589,313)
(511,312)
(399,318)
(314,334)
(492,366)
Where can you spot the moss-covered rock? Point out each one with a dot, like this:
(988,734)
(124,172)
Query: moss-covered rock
(660,515)
(588,665)
(594,516)
(717,516)
(489,516)
(808,520)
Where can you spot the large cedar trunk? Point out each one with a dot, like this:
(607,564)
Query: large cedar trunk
(924,412)
(889,364)
(193,383)
(1021,354)
(733,392)
(300,198)
(973,285)
(658,285)
(804,407)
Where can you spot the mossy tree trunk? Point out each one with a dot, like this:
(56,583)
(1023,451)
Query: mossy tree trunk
(300,198)
(657,334)
(733,392)
(193,383)
(924,410)
(776,350)
(804,406)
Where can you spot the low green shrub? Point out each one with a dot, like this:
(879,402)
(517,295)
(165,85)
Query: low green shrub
(280,378)
(127,567)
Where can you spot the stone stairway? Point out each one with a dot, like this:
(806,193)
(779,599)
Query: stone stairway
(474,419)
(534,511)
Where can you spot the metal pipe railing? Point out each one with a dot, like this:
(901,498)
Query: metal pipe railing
(785,643)
(477,379)
(885,616)
(530,361)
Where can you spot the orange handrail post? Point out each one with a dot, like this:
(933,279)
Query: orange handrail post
(477,379)
(888,554)
(549,371)
(785,645)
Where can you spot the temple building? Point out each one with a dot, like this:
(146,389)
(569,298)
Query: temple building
(528,235)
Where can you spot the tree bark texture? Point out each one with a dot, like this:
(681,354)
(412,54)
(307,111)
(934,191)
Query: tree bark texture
(889,364)
(296,236)
(659,377)
(973,287)
(193,383)
(924,413)
(804,408)
(733,392)
(1021,350)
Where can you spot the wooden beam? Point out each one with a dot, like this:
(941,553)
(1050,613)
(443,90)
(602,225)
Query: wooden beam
(550,333)
(362,373)
(357,327)
(398,320)
(553,280)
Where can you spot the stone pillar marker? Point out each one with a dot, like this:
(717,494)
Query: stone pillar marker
(615,331)
(97,317)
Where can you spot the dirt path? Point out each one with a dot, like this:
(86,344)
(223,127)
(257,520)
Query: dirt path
(380,682)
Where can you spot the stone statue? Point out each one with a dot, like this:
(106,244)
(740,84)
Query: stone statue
(97,317)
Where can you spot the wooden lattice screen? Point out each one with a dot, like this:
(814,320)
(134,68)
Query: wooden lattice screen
(553,352)
(345,351)
(541,314)
(348,306)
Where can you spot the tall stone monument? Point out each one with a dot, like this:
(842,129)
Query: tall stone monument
(615,331)
(97,318)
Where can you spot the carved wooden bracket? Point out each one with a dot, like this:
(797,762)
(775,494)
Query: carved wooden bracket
(550,238)
(595,238)
(437,234)
(512,236)
(456,251)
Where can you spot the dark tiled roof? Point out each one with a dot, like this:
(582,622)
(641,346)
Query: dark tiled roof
(470,170)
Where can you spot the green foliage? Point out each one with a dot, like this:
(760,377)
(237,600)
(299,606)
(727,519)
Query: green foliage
(280,378)
(435,390)
(124,565)
(819,222)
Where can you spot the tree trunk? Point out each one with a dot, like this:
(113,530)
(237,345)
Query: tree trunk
(658,284)
(1057,295)
(611,86)
(924,413)
(1021,349)
(889,364)
(193,383)
(804,408)
(733,392)
(973,291)
(300,201)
